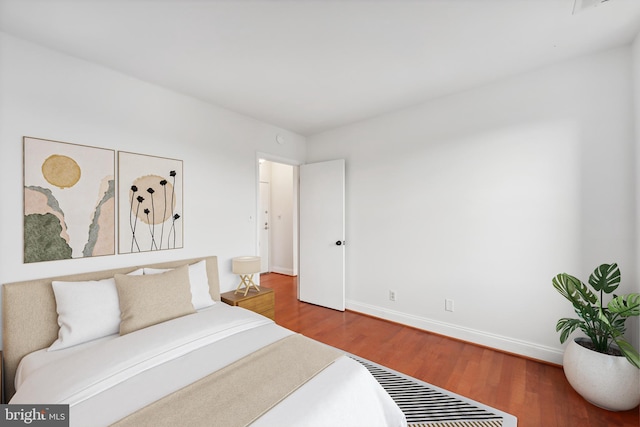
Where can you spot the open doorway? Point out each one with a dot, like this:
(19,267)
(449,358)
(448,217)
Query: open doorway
(278,217)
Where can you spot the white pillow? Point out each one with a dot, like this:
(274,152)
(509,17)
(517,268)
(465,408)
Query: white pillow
(198,281)
(86,311)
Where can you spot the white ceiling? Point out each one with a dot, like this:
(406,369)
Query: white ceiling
(309,66)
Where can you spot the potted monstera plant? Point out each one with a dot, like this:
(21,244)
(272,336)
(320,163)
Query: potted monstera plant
(602,367)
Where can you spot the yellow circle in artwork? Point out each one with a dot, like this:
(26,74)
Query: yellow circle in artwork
(61,171)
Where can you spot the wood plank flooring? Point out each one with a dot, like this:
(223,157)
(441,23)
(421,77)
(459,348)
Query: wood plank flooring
(537,393)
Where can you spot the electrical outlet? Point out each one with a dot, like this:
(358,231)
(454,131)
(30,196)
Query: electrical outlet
(392,295)
(448,305)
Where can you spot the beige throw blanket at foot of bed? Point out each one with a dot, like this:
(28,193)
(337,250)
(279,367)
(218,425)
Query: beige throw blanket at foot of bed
(241,392)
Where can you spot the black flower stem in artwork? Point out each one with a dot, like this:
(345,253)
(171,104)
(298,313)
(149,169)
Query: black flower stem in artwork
(132,225)
(133,196)
(152,226)
(140,199)
(173,188)
(173,230)
(146,212)
(164,211)
(172,174)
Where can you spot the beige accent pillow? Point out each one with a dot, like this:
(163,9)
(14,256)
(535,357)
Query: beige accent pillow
(148,300)
(198,280)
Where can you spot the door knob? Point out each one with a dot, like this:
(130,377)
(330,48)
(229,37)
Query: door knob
(339,243)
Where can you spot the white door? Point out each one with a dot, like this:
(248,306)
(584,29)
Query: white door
(321,276)
(264,225)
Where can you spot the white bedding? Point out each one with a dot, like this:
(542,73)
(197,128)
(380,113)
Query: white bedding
(37,359)
(107,379)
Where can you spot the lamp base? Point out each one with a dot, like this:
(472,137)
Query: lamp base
(246,283)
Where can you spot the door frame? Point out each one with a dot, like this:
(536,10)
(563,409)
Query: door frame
(296,228)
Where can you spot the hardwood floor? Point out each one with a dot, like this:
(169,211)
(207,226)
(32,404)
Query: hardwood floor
(537,393)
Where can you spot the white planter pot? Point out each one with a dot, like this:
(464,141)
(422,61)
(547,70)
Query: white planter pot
(610,382)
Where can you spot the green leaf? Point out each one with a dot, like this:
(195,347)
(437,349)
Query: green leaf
(625,305)
(567,326)
(629,352)
(605,278)
(574,290)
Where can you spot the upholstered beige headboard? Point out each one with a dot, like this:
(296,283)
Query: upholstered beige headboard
(30,320)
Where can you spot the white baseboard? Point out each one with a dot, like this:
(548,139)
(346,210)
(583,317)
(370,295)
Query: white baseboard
(282,270)
(511,345)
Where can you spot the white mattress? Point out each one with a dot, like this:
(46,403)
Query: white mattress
(107,379)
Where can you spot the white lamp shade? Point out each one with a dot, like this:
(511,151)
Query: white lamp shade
(245,265)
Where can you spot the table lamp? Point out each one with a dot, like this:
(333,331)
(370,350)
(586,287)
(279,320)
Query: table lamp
(246,267)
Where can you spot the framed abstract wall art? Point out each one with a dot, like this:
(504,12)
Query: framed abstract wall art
(150,203)
(69,200)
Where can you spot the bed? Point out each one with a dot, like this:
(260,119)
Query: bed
(176,355)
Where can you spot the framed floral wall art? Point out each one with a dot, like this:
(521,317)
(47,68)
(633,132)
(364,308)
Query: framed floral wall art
(150,203)
(69,200)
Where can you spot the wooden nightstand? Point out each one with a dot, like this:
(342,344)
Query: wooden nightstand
(262,302)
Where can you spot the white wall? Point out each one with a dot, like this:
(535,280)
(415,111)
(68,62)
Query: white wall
(50,95)
(484,196)
(636,80)
(282,219)
(281,180)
